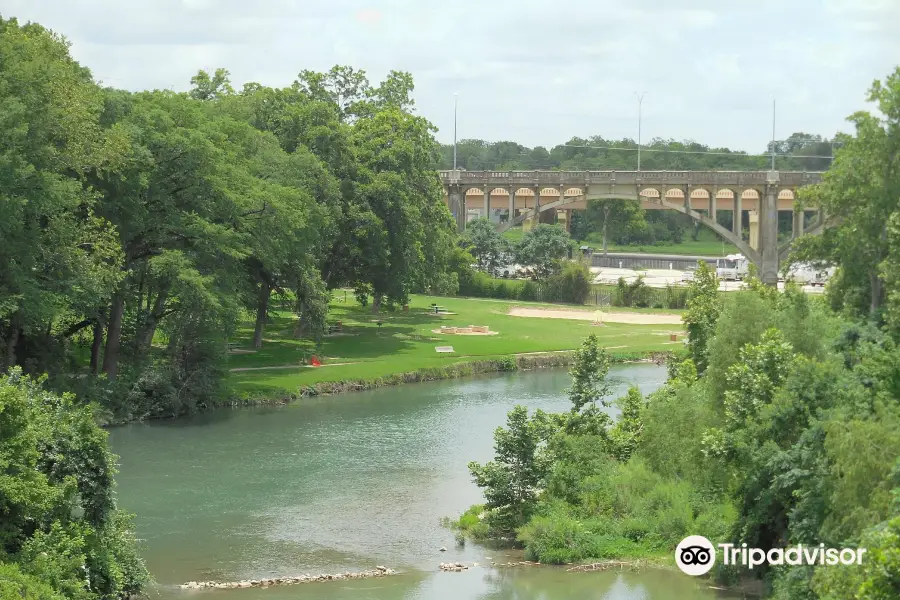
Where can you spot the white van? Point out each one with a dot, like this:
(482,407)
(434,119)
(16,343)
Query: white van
(733,267)
(807,274)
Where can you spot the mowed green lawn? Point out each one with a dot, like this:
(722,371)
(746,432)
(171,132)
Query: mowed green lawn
(406,342)
(707,244)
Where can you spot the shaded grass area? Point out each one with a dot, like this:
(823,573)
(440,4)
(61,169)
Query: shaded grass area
(405,342)
(707,244)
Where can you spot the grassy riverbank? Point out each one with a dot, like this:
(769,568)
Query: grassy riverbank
(402,348)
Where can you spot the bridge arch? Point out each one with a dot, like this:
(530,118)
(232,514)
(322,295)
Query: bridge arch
(651,194)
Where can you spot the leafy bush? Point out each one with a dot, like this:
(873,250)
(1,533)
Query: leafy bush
(573,284)
(60,522)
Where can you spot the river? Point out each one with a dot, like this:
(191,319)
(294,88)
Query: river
(344,483)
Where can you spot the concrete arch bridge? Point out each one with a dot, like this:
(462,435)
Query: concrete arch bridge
(511,198)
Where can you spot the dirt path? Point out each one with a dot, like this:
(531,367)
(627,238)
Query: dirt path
(607,317)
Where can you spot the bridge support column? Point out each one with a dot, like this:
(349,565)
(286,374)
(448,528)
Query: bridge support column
(536,217)
(458,207)
(712,203)
(736,220)
(769,232)
(797,218)
(753,218)
(487,203)
(512,204)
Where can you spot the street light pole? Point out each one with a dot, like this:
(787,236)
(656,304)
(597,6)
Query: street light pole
(455,103)
(640,102)
(773,134)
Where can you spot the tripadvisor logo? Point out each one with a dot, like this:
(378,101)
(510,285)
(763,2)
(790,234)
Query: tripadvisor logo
(696,555)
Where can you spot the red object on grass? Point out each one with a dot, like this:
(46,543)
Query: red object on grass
(314,361)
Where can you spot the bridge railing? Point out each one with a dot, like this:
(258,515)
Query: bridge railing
(785,178)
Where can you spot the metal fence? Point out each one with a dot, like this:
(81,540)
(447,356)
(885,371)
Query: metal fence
(648,261)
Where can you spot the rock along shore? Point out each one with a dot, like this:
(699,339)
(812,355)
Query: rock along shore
(378,571)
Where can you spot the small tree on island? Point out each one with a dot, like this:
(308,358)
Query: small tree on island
(590,385)
(511,481)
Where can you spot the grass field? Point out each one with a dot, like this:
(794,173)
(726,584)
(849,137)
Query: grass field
(405,342)
(707,244)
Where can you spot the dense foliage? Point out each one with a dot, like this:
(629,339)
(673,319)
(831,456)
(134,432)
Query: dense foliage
(790,435)
(61,534)
(139,229)
(779,423)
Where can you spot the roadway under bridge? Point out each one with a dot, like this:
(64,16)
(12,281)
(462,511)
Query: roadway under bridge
(510,198)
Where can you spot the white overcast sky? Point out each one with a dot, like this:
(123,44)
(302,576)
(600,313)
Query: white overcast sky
(533,71)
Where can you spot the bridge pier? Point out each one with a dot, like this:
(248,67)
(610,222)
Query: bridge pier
(769,231)
(797,219)
(753,222)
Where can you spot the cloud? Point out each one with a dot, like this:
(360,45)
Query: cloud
(526,70)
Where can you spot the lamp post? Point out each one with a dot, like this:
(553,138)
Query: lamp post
(773,134)
(455,103)
(640,103)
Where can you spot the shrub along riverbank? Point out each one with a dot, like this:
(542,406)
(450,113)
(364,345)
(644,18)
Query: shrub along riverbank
(779,425)
(503,364)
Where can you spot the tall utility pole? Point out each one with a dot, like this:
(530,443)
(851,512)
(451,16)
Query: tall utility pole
(455,103)
(640,102)
(773,134)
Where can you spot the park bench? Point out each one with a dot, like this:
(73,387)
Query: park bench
(335,327)
(436,309)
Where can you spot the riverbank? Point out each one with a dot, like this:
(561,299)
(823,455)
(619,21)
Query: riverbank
(369,350)
(516,362)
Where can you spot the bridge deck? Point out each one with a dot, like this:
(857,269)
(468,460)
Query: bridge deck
(648,178)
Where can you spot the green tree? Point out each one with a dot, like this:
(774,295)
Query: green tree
(485,244)
(590,386)
(703,309)
(861,194)
(573,284)
(543,250)
(512,480)
(61,525)
(625,435)
(57,255)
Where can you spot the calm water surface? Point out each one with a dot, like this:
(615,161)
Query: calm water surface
(345,483)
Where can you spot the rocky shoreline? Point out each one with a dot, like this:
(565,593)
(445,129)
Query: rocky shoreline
(378,571)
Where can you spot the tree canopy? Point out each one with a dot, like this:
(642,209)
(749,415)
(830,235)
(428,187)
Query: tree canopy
(142,227)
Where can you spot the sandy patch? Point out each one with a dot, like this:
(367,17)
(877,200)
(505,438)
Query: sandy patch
(466,333)
(239,369)
(607,317)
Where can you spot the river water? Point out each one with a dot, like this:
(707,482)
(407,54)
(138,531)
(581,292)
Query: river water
(345,483)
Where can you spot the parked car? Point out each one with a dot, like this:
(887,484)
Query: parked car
(688,275)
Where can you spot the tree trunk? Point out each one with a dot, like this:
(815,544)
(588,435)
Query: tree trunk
(152,321)
(875,288)
(262,312)
(97,346)
(605,220)
(114,337)
(376,303)
(13,340)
